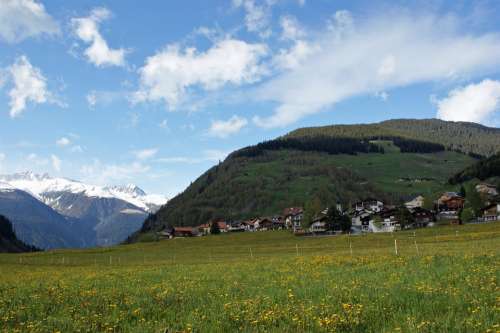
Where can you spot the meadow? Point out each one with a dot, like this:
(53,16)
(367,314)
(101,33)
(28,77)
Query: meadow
(442,279)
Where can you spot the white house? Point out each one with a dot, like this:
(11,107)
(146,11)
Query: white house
(417,202)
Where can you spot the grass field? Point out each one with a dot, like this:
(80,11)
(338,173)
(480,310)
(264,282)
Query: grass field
(444,279)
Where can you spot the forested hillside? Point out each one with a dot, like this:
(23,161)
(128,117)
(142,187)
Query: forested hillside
(8,240)
(393,161)
(464,137)
(482,170)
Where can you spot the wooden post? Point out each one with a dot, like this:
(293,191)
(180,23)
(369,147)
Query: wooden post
(110,260)
(416,247)
(350,246)
(63,260)
(396,246)
(456,233)
(297,249)
(251,253)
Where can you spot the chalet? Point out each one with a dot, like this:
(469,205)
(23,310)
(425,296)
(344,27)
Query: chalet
(359,216)
(491,212)
(450,202)
(417,202)
(278,222)
(204,229)
(373,205)
(251,225)
(487,189)
(319,224)
(185,232)
(236,226)
(293,218)
(386,221)
(422,217)
(266,223)
(223,226)
(166,234)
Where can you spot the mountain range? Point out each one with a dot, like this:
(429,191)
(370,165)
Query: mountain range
(50,212)
(393,160)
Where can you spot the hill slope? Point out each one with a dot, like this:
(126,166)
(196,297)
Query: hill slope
(333,163)
(482,170)
(8,240)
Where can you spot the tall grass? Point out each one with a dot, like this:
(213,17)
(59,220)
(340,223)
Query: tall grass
(442,280)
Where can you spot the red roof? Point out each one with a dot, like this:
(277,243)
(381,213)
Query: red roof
(292,211)
(183,229)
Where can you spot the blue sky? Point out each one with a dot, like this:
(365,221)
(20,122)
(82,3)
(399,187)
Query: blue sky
(110,92)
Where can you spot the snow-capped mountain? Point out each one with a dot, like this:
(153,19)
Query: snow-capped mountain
(41,185)
(99,215)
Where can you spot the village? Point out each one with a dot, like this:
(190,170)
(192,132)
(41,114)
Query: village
(366,216)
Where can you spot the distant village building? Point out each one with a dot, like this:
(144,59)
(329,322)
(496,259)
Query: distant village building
(422,217)
(491,212)
(487,189)
(373,205)
(417,202)
(293,218)
(185,232)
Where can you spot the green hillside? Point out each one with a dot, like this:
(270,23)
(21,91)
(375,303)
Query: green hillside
(345,163)
(484,169)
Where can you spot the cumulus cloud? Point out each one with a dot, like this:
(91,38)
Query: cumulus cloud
(167,75)
(225,128)
(63,142)
(28,85)
(21,19)
(145,154)
(101,173)
(98,52)
(364,57)
(257,15)
(291,28)
(475,103)
(56,162)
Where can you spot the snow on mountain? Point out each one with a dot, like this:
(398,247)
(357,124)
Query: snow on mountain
(40,185)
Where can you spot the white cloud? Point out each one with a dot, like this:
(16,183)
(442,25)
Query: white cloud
(168,74)
(63,142)
(291,29)
(382,95)
(225,128)
(209,155)
(34,159)
(103,174)
(56,162)
(145,154)
(98,52)
(29,85)
(364,57)
(76,149)
(295,56)
(257,15)
(21,19)
(163,124)
(475,103)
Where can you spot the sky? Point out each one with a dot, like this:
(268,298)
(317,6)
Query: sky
(156,92)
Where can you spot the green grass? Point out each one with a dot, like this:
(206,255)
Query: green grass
(266,281)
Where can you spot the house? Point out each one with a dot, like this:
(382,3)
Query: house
(417,202)
(386,221)
(293,218)
(487,189)
(166,234)
(204,229)
(223,226)
(251,225)
(422,217)
(373,205)
(359,216)
(450,202)
(491,212)
(236,226)
(319,224)
(185,232)
(278,222)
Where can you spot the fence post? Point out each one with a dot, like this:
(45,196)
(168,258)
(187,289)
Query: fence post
(297,249)
(251,253)
(110,260)
(350,246)
(396,246)
(416,247)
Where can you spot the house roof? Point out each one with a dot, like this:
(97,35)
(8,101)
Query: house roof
(183,229)
(293,211)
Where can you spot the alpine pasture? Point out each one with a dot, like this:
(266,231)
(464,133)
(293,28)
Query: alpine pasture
(442,279)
